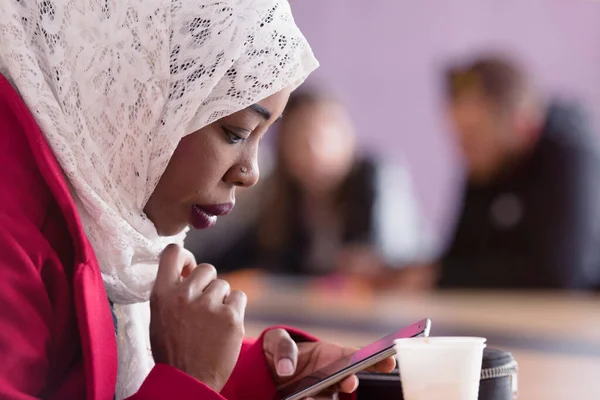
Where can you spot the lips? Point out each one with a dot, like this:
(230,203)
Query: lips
(205,216)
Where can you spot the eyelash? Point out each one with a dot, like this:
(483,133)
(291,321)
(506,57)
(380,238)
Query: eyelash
(232,138)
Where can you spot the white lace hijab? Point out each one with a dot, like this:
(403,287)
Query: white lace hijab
(114,86)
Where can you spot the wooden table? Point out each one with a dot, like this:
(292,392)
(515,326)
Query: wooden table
(554,337)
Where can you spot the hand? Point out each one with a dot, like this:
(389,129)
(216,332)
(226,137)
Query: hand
(289,360)
(197,323)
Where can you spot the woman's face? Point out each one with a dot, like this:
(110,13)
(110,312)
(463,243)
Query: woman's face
(485,134)
(318,146)
(200,180)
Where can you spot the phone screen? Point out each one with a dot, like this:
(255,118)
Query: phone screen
(346,363)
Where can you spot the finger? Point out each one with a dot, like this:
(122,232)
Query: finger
(217,291)
(189,266)
(172,260)
(349,384)
(384,366)
(198,280)
(346,385)
(237,300)
(284,350)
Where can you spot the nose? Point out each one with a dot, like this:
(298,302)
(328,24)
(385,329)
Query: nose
(243,174)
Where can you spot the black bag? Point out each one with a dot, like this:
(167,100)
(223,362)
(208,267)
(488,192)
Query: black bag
(498,380)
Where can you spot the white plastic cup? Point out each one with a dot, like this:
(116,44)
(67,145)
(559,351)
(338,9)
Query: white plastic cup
(440,368)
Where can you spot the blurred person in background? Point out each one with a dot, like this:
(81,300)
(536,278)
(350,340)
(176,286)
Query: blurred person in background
(324,209)
(530,215)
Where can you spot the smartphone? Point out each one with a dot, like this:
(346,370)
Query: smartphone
(319,380)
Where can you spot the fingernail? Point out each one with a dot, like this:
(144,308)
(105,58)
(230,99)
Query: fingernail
(285,367)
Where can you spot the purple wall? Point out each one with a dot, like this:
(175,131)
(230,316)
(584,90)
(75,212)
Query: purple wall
(382,58)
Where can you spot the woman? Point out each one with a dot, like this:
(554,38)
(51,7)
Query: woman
(328,209)
(122,123)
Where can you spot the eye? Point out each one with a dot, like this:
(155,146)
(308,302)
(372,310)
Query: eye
(232,137)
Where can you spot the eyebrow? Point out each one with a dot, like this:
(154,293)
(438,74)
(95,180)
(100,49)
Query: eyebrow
(260,110)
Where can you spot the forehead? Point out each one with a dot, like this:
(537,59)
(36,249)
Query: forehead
(472,104)
(275,103)
(322,113)
(470,98)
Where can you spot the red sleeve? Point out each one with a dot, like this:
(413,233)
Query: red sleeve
(25,317)
(251,378)
(166,382)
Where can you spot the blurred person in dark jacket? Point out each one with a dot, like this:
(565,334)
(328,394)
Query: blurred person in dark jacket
(530,215)
(323,208)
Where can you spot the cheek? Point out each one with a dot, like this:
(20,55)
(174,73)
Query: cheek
(196,165)
(478,146)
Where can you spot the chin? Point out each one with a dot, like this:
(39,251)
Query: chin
(170,229)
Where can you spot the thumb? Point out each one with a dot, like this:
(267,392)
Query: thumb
(174,261)
(284,350)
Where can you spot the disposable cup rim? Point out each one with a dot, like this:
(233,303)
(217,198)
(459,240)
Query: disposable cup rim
(445,342)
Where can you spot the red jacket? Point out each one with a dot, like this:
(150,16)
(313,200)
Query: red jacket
(57,338)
